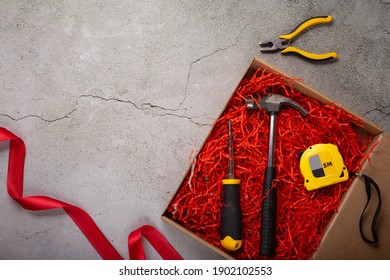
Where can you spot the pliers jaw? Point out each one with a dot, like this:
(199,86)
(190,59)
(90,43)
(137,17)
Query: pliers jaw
(274,45)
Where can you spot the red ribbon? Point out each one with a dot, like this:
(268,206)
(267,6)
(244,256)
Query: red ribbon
(156,239)
(79,216)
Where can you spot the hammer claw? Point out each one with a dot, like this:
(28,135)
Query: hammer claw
(273,104)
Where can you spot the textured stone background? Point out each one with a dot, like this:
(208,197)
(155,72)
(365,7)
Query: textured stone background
(110,98)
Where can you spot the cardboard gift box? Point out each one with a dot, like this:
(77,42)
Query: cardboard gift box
(341,238)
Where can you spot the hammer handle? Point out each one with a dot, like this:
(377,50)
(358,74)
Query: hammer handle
(268,214)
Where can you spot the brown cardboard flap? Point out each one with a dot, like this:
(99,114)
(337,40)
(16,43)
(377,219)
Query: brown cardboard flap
(342,239)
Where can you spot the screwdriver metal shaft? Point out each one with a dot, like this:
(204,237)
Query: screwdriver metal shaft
(231,152)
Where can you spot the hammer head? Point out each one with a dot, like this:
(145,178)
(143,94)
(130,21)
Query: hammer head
(273,104)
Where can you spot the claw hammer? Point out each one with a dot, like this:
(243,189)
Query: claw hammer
(272,104)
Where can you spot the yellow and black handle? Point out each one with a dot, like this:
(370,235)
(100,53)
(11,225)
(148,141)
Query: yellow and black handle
(306,24)
(301,27)
(313,56)
(231,236)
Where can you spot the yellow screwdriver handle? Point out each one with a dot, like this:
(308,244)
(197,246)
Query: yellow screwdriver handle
(231,236)
(306,24)
(312,56)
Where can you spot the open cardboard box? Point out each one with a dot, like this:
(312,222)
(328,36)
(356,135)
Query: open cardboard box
(341,238)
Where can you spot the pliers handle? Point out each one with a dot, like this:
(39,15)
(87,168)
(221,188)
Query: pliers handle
(283,42)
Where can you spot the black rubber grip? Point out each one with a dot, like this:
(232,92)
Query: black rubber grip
(231,212)
(268,215)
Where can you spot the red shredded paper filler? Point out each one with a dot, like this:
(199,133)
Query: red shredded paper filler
(302,215)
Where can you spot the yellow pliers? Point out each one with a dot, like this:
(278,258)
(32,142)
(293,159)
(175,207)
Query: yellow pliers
(283,42)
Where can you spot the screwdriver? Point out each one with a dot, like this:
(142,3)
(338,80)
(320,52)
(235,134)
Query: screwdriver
(231,238)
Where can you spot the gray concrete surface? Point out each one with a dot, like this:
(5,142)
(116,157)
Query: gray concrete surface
(110,98)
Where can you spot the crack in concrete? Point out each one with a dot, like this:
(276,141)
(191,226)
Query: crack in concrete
(190,70)
(237,39)
(150,105)
(40,232)
(187,117)
(380,110)
(39,117)
(108,99)
(146,106)
(142,106)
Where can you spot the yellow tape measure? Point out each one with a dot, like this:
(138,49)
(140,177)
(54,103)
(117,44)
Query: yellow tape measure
(322,165)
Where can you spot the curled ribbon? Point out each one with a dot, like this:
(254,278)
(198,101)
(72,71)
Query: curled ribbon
(79,216)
